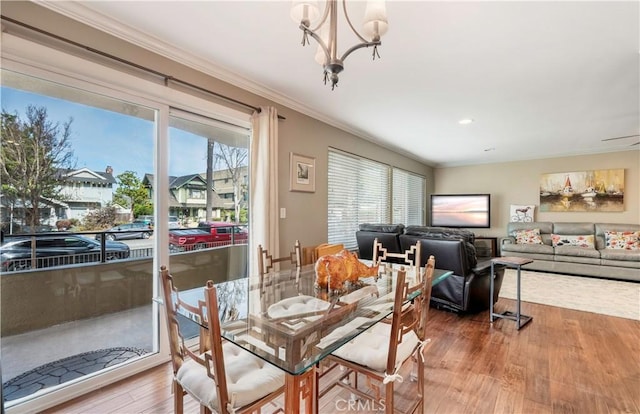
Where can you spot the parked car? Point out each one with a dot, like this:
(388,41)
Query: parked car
(134,230)
(25,229)
(57,249)
(147,219)
(222,231)
(174,223)
(190,239)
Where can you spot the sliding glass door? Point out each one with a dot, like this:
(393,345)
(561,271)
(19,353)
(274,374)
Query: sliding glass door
(72,165)
(100,175)
(208,195)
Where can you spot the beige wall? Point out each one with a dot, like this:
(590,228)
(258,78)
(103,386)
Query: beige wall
(519,183)
(306,212)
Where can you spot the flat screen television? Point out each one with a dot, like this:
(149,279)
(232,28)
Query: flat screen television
(461,210)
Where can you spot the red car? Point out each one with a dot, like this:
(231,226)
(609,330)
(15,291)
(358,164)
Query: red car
(229,233)
(190,239)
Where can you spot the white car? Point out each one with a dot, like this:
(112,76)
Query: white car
(173,222)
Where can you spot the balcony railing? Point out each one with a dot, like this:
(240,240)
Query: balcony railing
(38,257)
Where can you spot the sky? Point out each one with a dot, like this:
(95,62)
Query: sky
(100,137)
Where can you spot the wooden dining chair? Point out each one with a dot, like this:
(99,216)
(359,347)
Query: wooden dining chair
(420,309)
(266,261)
(379,353)
(223,379)
(271,297)
(309,255)
(409,257)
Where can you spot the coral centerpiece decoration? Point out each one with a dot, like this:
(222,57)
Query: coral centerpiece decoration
(335,269)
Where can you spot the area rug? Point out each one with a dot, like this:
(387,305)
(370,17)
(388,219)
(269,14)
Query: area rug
(66,369)
(608,297)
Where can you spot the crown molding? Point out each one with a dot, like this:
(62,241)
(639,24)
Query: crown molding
(84,14)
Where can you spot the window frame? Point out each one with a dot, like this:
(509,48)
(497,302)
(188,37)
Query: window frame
(83,71)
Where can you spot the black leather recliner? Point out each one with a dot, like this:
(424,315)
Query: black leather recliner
(468,289)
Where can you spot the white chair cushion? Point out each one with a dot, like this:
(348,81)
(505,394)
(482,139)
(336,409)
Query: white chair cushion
(371,347)
(297,305)
(249,377)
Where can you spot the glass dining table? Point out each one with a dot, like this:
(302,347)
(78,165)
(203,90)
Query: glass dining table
(287,321)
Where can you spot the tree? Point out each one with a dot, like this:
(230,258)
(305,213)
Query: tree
(101,218)
(234,159)
(33,152)
(131,193)
(210,158)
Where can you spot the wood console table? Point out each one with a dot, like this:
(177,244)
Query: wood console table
(481,247)
(517,263)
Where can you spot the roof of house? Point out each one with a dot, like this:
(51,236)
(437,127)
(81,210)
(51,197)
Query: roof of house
(84,175)
(176,183)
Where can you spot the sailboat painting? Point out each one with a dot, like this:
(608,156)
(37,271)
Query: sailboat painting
(595,190)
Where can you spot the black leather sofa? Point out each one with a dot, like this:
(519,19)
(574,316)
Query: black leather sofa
(467,290)
(387,234)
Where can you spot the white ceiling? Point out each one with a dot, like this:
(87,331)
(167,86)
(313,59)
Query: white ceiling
(540,79)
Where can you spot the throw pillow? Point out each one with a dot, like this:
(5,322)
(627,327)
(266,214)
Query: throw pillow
(626,240)
(586,241)
(531,236)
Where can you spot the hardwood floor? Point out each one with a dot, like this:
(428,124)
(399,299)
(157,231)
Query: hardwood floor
(564,361)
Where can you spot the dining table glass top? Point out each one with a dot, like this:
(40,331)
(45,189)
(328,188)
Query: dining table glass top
(286,320)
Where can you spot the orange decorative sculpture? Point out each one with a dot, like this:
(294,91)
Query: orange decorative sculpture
(335,269)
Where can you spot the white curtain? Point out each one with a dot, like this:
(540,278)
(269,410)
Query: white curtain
(263,208)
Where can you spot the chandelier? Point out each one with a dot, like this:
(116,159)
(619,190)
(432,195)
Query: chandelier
(325,31)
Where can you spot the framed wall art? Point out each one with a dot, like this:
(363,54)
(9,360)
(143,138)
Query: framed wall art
(522,213)
(592,190)
(302,173)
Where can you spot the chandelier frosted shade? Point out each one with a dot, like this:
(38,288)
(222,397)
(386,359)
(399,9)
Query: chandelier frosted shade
(325,32)
(375,20)
(305,10)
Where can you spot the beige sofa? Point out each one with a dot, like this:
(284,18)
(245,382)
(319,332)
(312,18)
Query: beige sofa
(555,251)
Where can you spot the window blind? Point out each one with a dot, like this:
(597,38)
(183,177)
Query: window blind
(408,198)
(358,193)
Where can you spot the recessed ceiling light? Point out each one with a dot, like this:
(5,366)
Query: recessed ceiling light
(466,121)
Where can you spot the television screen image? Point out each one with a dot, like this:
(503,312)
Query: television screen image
(461,210)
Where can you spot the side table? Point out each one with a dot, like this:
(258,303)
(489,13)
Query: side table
(517,263)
